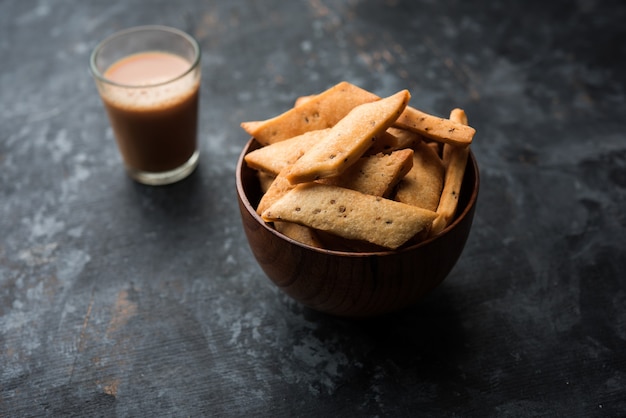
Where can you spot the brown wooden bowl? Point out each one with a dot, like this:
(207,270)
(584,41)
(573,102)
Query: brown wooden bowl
(352,284)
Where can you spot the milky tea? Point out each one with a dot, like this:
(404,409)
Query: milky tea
(150,86)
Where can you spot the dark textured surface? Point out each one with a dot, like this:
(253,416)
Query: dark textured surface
(123,300)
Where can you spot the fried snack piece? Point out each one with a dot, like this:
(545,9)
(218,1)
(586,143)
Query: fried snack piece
(336,243)
(457,115)
(393,139)
(404,138)
(279,187)
(303,99)
(455,160)
(384,142)
(273,158)
(422,123)
(348,139)
(321,111)
(350,214)
(265,180)
(436,128)
(252,125)
(299,233)
(275,186)
(422,185)
(437,147)
(377,174)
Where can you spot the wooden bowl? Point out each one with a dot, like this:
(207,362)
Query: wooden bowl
(352,284)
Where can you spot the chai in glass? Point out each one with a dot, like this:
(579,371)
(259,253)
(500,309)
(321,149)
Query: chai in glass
(149,81)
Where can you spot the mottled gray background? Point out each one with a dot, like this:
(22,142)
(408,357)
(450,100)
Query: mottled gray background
(123,300)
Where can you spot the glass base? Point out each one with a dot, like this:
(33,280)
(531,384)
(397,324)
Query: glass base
(165,177)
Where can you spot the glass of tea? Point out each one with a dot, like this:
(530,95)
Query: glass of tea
(148,78)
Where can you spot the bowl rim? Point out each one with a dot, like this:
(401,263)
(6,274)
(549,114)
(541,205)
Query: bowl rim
(243,196)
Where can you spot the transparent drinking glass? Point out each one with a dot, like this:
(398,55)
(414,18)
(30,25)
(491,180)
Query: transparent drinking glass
(148,78)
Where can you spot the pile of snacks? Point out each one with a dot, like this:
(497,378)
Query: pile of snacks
(348,170)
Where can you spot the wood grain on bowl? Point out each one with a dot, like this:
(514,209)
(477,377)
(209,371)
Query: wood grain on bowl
(354,284)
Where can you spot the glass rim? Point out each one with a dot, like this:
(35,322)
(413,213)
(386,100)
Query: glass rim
(124,32)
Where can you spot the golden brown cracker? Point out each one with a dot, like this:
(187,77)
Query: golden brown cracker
(348,139)
(455,160)
(279,187)
(375,174)
(336,243)
(265,180)
(350,214)
(422,186)
(436,147)
(273,158)
(303,99)
(404,138)
(299,233)
(321,111)
(458,115)
(393,139)
(436,128)
(251,126)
